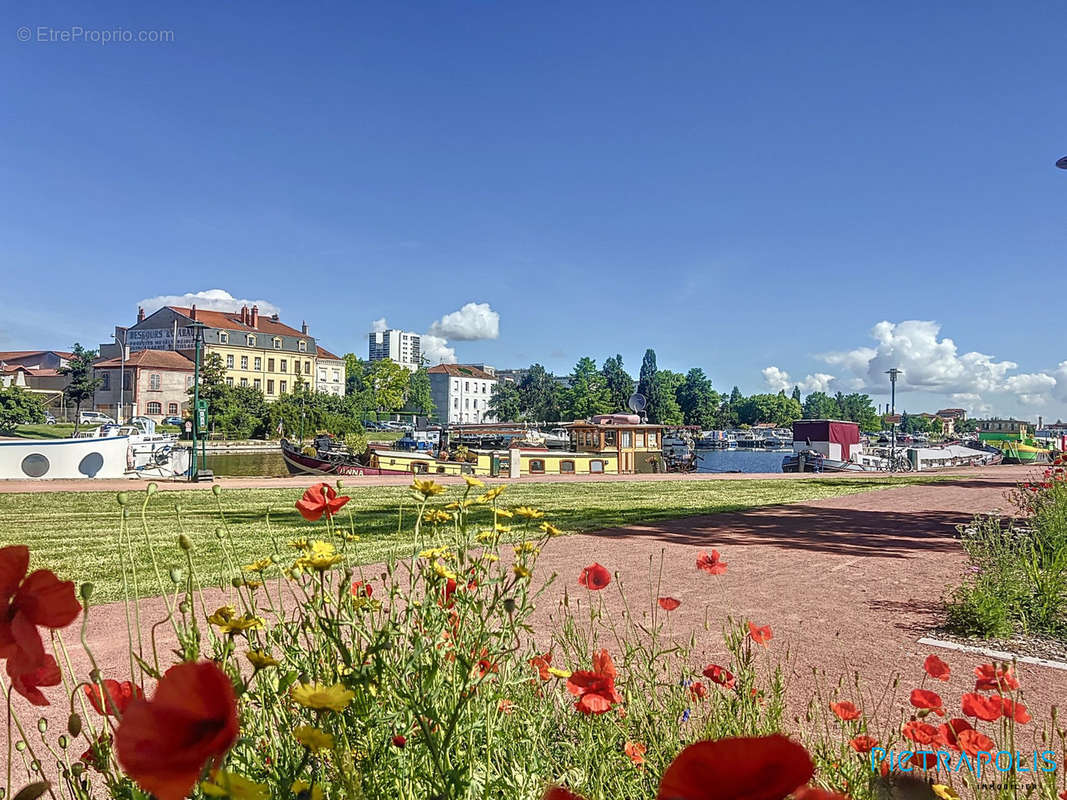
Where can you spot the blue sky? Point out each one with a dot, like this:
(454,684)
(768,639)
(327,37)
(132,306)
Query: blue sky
(740,188)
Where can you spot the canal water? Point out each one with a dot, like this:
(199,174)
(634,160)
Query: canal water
(270,463)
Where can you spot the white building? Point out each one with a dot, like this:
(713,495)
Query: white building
(331,375)
(461,393)
(400,346)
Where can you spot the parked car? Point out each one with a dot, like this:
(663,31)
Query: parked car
(94,418)
(173,421)
(49,419)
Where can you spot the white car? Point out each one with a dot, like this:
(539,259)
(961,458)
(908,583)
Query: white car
(94,418)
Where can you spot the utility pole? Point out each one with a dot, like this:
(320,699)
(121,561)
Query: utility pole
(122,374)
(892,373)
(198,337)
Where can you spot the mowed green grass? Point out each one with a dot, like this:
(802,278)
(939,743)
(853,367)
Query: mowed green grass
(76,534)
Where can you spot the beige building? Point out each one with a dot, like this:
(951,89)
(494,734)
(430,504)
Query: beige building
(153,383)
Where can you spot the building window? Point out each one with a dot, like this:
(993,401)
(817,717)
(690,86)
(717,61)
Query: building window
(337,376)
(244,381)
(284,366)
(537,466)
(307,367)
(466,386)
(455,385)
(270,386)
(609,438)
(155,408)
(322,375)
(639,439)
(596,466)
(258,364)
(250,340)
(172,408)
(277,343)
(270,365)
(105,381)
(153,381)
(652,439)
(296,367)
(626,438)
(244,362)
(284,387)
(302,347)
(188,381)
(466,402)
(229,381)
(485,387)
(229,361)
(257,384)
(455,402)
(224,337)
(566,466)
(475,402)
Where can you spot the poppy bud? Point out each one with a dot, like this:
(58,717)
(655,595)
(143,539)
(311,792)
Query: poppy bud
(151,489)
(123,498)
(219,533)
(400,741)
(236,583)
(62,741)
(176,575)
(216,490)
(94,675)
(74,725)
(183,606)
(20,745)
(125,513)
(178,508)
(32,791)
(77,768)
(185,543)
(509,605)
(42,725)
(340,485)
(86,591)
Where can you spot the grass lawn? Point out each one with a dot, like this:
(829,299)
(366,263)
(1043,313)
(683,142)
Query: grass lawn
(76,533)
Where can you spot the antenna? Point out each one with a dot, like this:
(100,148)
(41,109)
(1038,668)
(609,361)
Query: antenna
(637,403)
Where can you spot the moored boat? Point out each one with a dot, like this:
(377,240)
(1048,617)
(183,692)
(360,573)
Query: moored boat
(51,459)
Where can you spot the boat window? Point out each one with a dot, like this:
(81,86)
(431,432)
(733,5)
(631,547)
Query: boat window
(651,439)
(626,439)
(537,465)
(566,466)
(639,439)
(609,437)
(34,465)
(596,466)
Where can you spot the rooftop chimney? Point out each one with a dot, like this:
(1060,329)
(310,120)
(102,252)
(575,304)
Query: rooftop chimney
(140,314)
(304,327)
(192,312)
(244,315)
(255,316)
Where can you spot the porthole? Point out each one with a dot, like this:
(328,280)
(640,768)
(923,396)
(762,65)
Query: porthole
(35,465)
(91,465)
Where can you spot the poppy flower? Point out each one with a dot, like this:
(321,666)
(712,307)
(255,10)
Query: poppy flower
(636,753)
(594,577)
(1012,710)
(815,793)
(986,708)
(698,690)
(542,664)
(760,635)
(713,565)
(845,711)
(936,668)
(948,732)
(595,689)
(719,675)
(191,720)
(119,696)
(318,500)
(668,603)
(993,679)
(400,741)
(925,699)
(919,732)
(95,755)
(559,793)
(971,742)
(27,602)
(753,768)
(447,592)
(863,743)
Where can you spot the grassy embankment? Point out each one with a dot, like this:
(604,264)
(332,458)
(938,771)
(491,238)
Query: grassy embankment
(76,534)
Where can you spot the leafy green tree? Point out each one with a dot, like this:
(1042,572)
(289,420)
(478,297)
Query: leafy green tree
(649,386)
(212,381)
(668,384)
(736,398)
(819,405)
(420,399)
(390,382)
(17,406)
(777,408)
(355,379)
(698,401)
(504,402)
(588,392)
(82,385)
(619,383)
(539,395)
(796,393)
(858,408)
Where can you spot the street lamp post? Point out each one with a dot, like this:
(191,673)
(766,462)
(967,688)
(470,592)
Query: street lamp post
(198,339)
(892,373)
(122,373)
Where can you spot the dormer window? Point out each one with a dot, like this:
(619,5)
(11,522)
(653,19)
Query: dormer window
(302,346)
(224,337)
(250,340)
(277,343)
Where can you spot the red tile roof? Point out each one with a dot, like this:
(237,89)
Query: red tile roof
(231,320)
(156,359)
(7,355)
(460,371)
(324,353)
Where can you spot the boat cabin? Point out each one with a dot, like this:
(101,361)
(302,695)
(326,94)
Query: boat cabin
(835,439)
(636,445)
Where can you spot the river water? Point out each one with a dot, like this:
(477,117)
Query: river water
(270,463)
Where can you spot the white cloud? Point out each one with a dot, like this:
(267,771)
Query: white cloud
(472,322)
(778,380)
(436,350)
(209,300)
(379,326)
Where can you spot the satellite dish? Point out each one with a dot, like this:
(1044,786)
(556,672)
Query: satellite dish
(637,403)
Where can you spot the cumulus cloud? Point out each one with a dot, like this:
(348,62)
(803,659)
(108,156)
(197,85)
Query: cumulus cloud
(379,326)
(472,322)
(778,380)
(436,350)
(209,300)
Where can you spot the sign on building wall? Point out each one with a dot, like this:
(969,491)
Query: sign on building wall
(160,339)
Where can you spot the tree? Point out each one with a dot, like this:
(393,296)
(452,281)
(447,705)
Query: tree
(212,381)
(504,401)
(819,405)
(588,393)
(736,398)
(796,393)
(619,383)
(648,386)
(668,383)
(18,407)
(777,408)
(82,385)
(354,374)
(390,382)
(420,399)
(698,401)
(539,395)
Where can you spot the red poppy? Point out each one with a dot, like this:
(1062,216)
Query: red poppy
(119,696)
(698,690)
(594,577)
(95,755)
(400,741)
(26,602)
(164,743)
(447,592)
(948,732)
(815,793)
(668,603)
(719,675)
(542,665)
(863,743)
(931,701)
(971,742)
(977,705)
(755,768)
(919,732)
(936,668)
(559,793)
(760,635)
(1012,710)
(993,679)
(595,689)
(318,500)
(713,565)
(845,711)
(636,752)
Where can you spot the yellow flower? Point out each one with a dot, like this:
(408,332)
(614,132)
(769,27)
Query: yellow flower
(257,566)
(443,571)
(521,572)
(222,615)
(302,790)
(426,488)
(319,697)
(350,537)
(550,529)
(526,547)
(453,506)
(235,625)
(490,557)
(436,552)
(251,584)
(503,512)
(229,784)
(261,659)
(528,513)
(559,673)
(495,492)
(473,482)
(300,544)
(501,528)
(436,516)
(945,792)
(320,556)
(485,537)
(313,739)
